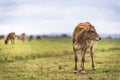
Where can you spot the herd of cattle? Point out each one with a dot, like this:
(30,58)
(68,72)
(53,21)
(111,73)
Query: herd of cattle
(11,37)
(83,37)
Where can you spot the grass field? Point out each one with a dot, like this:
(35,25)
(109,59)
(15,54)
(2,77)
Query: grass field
(53,59)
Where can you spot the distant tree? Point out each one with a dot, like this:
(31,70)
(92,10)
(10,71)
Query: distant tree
(109,37)
(64,35)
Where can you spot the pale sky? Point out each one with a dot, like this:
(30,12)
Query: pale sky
(58,16)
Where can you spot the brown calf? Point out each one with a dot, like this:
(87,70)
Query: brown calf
(11,36)
(2,37)
(22,37)
(30,38)
(83,37)
(38,37)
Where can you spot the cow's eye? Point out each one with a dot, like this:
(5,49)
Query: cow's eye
(92,31)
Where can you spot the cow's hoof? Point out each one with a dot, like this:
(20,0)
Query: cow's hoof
(93,68)
(75,72)
(83,72)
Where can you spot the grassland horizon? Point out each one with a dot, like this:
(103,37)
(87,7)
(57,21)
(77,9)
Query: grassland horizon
(53,59)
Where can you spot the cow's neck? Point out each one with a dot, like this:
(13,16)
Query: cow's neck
(85,42)
(7,39)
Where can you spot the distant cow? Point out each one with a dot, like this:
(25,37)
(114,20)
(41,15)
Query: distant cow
(38,37)
(2,37)
(30,38)
(83,37)
(22,37)
(11,36)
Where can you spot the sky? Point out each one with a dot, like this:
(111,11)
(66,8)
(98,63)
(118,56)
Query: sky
(58,16)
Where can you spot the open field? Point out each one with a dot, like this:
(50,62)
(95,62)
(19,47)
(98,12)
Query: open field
(53,59)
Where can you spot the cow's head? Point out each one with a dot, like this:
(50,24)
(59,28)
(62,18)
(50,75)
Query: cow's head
(6,41)
(90,32)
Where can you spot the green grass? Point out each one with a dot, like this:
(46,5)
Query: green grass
(53,59)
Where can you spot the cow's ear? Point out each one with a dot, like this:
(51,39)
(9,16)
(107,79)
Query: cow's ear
(80,34)
(82,25)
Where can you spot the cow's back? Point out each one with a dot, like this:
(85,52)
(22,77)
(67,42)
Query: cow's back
(77,30)
(11,35)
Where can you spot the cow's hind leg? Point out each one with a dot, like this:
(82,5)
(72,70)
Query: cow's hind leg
(12,41)
(76,60)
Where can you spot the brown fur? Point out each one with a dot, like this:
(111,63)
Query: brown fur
(83,37)
(30,38)
(38,37)
(22,37)
(2,37)
(11,36)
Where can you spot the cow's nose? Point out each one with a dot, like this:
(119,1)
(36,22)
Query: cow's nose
(99,38)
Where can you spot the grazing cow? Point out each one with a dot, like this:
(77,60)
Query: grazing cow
(22,37)
(83,37)
(30,38)
(2,37)
(38,37)
(11,36)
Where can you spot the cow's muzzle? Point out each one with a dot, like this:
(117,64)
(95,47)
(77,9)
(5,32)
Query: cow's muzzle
(98,39)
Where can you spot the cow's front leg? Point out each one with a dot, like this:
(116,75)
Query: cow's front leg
(12,41)
(83,52)
(92,57)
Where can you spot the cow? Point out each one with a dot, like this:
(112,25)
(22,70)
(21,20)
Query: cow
(38,37)
(11,36)
(2,37)
(83,37)
(22,37)
(30,38)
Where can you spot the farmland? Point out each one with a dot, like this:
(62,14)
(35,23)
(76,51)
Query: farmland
(53,59)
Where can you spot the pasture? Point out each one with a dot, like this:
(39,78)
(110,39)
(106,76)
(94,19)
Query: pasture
(53,59)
